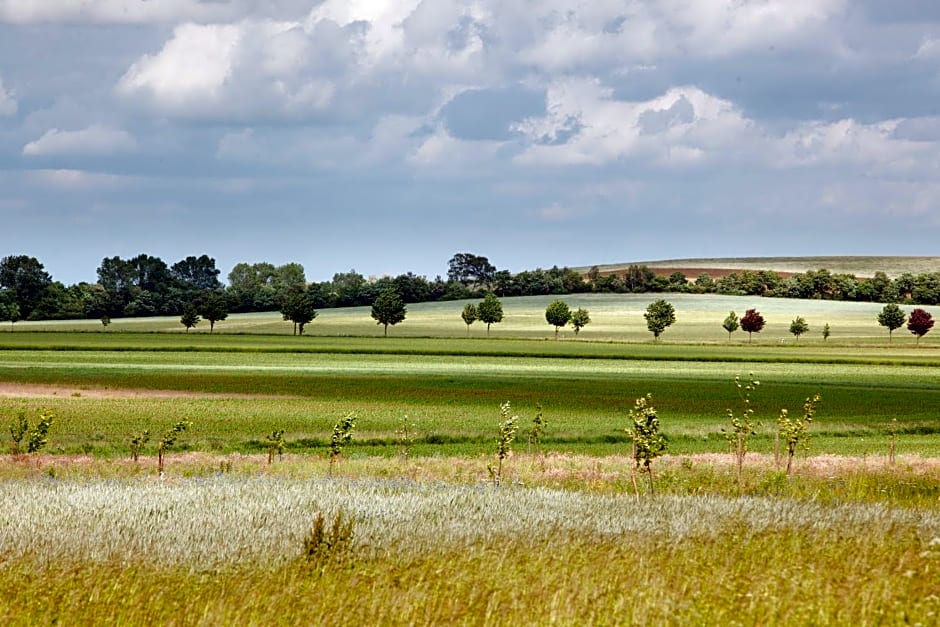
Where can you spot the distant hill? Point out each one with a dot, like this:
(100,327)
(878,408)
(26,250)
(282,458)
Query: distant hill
(859,266)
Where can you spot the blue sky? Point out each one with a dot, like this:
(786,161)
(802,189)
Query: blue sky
(386,136)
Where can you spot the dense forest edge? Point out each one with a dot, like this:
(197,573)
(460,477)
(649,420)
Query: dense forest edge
(147,286)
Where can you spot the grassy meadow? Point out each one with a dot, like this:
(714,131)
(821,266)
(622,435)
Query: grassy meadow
(852,537)
(615,318)
(858,266)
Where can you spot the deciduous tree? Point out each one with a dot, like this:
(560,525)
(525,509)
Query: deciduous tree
(299,308)
(469,268)
(920,323)
(26,279)
(648,442)
(490,311)
(659,315)
(196,273)
(190,318)
(891,317)
(752,322)
(798,327)
(469,315)
(388,309)
(215,309)
(731,324)
(580,318)
(557,314)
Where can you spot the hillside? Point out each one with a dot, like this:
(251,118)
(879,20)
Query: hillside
(859,266)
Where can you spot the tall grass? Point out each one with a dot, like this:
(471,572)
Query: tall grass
(226,549)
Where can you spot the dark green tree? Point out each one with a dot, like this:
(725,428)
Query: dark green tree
(190,318)
(289,279)
(659,315)
(12,314)
(9,309)
(26,279)
(891,317)
(349,289)
(798,327)
(558,314)
(196,274)
(490,311)
(214,309)
(388,309)
(251,287)
(469,315)
(469,268)
(300,308)
(580,318)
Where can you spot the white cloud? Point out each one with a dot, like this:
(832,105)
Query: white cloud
(443,154)
(929,49)
(7,101)
(74,179)
(247,69)
(190,70)
(556,213)
(94,140)
(586,125)
(116,11)
(847,142)
(721,27)
(383,18)
(555,36)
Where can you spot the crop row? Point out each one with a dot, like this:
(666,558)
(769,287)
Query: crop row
(212,522)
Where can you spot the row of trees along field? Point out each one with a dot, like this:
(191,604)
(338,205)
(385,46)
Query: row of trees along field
(147,286)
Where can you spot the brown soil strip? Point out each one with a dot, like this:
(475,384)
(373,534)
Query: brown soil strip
(32,390)
(692,273)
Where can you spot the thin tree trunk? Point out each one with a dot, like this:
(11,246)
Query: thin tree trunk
(777,451)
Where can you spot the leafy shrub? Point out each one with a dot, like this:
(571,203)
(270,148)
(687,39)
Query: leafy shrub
(795,432)
(507,433)
(342,435)
(37,437)
(168,440)
(742,426)
(648,442)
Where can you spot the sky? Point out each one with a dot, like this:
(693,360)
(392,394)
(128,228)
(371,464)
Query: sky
(386,136)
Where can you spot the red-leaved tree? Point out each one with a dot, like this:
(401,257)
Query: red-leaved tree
(752,322)
(919,323)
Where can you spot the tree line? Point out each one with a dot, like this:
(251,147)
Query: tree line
(147,286)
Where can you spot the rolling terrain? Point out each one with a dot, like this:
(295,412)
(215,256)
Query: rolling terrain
(861,266)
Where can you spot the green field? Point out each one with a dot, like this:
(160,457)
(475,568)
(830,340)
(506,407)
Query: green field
(852,537)
(858,266)
(615,318)
(451,386)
